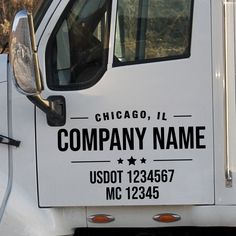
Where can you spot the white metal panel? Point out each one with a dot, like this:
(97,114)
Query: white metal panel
(181,90)
(23,216)
(3,125)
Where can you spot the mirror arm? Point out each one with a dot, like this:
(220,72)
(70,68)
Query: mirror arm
(54,107)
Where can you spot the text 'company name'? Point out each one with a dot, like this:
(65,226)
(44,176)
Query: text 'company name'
(102,139)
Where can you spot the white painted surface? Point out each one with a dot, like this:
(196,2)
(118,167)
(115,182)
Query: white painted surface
(3,127)
(177,87)
(193,72)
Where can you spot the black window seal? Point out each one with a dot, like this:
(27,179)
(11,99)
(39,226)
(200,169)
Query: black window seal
(38,16)
(48,59)
(185,55)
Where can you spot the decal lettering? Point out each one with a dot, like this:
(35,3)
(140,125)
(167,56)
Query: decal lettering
(178,137)
(99,139)
(105,177)
(140,175)
(114,179)
(118,115)
(62,135)
(113,193)
(131,138)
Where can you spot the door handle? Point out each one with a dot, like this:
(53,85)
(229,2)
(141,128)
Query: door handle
(227,50)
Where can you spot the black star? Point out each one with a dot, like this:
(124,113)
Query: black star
(120,161)
(131,161)
(143,160)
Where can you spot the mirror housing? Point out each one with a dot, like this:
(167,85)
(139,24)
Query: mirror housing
(23,55)
(25,69)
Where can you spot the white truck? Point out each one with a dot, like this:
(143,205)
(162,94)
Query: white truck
(125,121)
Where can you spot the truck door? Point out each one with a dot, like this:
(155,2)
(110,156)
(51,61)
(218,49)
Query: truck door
(137,80)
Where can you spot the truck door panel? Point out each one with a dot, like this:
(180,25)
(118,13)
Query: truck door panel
(139,121)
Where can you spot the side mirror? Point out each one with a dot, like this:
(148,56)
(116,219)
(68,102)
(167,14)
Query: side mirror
(26,73)
(23,55)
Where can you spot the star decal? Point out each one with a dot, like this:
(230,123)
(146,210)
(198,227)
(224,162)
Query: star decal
(131,161)
(143,160)
(120,161)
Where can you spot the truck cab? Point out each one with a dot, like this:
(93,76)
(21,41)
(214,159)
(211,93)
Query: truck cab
(125,113)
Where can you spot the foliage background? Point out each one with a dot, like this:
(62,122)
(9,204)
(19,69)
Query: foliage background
(8,9)
(168,24)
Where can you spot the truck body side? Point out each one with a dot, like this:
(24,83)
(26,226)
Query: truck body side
(165,127)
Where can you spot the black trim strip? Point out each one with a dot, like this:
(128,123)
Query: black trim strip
(79,118)
(162,160)
(77,162)
(36,157)
(182,116)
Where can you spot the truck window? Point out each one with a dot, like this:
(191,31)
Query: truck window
(78,48)
(152,30)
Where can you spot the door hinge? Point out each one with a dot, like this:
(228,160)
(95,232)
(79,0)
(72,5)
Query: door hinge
(9,141)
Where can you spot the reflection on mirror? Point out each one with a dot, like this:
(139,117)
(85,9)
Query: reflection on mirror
(22,56)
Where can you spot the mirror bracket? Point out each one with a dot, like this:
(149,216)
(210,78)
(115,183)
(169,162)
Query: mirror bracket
(58,106)
(53,106)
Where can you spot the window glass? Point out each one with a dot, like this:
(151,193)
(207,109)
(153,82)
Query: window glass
(148,30)
(78,48)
